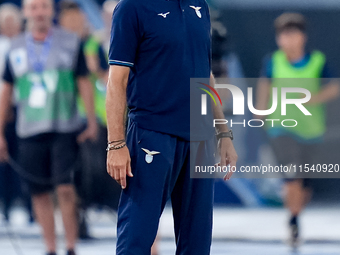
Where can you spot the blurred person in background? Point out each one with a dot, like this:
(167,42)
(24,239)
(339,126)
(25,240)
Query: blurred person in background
(10,26)
(46,67)
(297,145)
(91,182)
(73,19)
(10,20)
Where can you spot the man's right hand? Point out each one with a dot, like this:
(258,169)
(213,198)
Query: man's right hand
(3,150)
(119,165)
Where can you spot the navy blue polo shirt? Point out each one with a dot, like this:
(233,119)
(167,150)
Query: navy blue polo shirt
(165,43)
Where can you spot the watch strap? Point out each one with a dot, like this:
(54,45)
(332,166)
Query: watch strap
(228,134)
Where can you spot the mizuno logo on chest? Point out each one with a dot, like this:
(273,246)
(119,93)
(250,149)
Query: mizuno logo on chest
(163,14)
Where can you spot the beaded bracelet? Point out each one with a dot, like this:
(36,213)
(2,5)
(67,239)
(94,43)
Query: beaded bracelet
(115,147)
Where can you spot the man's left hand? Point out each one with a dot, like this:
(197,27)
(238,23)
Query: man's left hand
(228,156)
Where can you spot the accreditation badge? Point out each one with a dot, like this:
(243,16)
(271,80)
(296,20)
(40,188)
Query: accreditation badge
(38,93)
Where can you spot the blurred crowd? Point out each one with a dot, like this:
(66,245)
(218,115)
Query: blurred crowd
(90,167)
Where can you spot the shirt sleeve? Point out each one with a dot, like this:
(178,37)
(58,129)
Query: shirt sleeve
(125,34)
(8,74)
(81,69)
(267,67)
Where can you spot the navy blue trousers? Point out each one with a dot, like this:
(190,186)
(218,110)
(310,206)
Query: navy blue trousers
(166,177)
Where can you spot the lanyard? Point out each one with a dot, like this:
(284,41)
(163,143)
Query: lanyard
(37,60)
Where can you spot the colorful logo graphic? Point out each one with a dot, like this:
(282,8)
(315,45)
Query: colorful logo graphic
(209,93)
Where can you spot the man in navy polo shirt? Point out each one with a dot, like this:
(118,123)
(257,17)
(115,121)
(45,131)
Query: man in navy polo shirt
(156,47)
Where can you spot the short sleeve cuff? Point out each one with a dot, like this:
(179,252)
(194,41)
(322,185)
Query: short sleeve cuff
(121,63)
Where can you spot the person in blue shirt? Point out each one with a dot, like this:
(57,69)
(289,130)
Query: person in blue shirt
(156,47)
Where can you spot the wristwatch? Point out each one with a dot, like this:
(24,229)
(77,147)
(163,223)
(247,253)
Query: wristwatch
(228,134)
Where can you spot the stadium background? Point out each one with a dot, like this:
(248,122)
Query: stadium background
(250,36)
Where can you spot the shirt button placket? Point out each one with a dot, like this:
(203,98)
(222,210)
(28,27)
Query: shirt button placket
(180,5)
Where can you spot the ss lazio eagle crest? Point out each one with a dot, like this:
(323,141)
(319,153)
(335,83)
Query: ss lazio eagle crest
(197,10)
(149,155)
